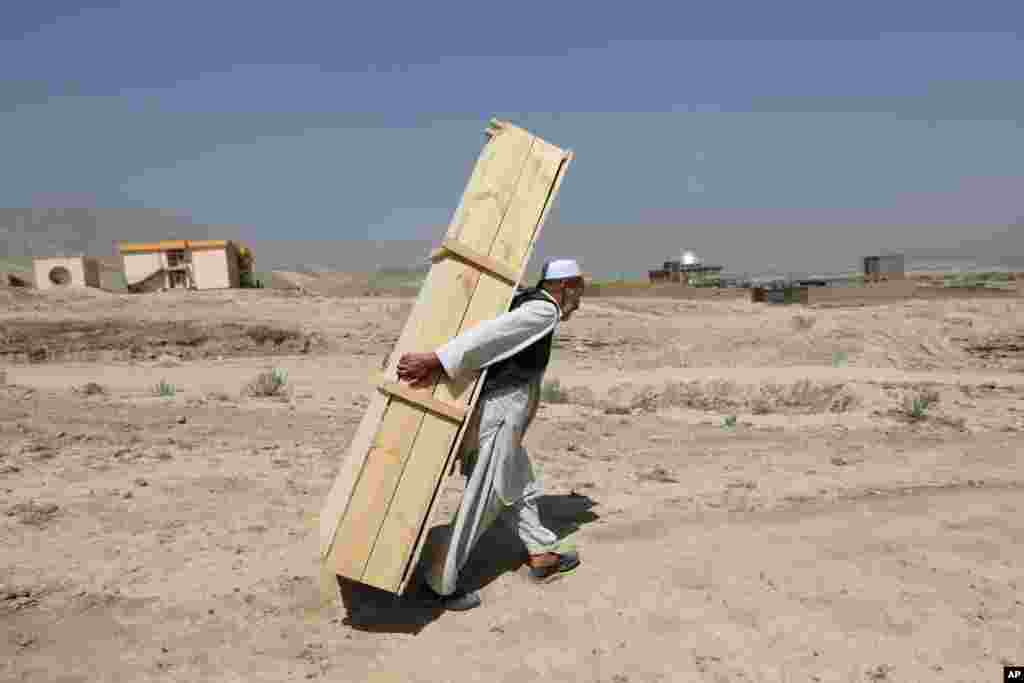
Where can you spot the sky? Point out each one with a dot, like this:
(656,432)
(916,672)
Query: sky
(764,136)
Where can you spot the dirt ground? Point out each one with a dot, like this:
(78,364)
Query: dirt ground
(759,493)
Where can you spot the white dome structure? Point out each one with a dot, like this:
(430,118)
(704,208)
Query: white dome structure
(691,259)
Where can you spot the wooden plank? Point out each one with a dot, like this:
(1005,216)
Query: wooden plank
(450,285)
(375,487)
(454,413)
(339,498)
(428,521)
(379,453)
(433,446)
(431,512)
(474,258)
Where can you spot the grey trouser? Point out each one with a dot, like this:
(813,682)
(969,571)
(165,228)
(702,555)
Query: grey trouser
(501,485)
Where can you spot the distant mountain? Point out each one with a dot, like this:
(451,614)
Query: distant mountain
(409,270)
(93,232)
(312,269)
(604,251)
(1003,248)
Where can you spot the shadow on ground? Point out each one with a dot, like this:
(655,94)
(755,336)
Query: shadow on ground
(498,552)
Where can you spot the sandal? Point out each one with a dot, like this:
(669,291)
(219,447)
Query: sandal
(567,563)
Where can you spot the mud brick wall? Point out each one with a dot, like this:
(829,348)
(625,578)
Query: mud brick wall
(672,291)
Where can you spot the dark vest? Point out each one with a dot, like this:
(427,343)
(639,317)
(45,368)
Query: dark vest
(529,362)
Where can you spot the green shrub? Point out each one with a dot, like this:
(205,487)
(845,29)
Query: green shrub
(916,405)
(272,382)
(165,390)
(552,392)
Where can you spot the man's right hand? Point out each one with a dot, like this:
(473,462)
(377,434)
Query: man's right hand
(419,369)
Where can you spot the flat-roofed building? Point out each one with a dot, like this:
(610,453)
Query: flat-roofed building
(185,264)
(66,271)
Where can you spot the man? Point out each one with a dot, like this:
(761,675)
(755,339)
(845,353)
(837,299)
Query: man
(515,347)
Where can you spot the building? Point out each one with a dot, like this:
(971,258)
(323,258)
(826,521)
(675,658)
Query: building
(675,271)
(882,268)
(690,269)
(66,271)
(185,264)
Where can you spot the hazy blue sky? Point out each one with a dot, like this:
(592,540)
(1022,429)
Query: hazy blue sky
(336,120)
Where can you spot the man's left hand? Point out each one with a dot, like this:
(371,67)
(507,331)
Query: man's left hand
(419,369)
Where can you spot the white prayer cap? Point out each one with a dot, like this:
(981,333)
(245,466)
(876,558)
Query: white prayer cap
(560,269)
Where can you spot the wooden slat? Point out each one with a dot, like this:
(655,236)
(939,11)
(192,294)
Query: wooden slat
(450,285)
(454,413)
(375,487)
(426,465)
(475,258)
(339,498)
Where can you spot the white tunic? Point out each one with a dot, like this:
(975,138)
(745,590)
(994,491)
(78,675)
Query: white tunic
(497,339)
(500,476)
(481,347)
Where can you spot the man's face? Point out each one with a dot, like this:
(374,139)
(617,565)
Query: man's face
(572,292)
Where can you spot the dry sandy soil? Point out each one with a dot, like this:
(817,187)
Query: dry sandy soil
(753,492)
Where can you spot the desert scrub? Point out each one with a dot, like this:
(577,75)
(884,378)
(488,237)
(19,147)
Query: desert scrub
(992,280)
(271,382)
(583,396)
(657,474)
(164,390)
(802,323)
(803,395)
(93,389)
(261,334)
(839,359)
(917,403)
(729,422)
(552,392)
(843,401)
(725,396)
(716,394)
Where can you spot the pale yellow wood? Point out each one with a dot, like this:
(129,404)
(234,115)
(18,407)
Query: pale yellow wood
(422,399)
(339,498)
(479,202)
(553,194)
(494,296)
(426,465)
(372,493)
(341,491)
(340,494)
(360,502)
(415,491)
(428,522)
(474,258)
(419,522)
(449,287)
(537,183)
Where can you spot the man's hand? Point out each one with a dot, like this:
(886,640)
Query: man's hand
(419,369)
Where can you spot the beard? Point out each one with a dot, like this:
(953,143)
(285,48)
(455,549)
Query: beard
(570,308)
